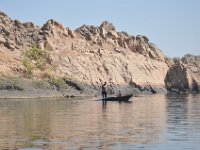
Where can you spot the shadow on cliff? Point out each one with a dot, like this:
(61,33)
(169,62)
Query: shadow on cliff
(113,89)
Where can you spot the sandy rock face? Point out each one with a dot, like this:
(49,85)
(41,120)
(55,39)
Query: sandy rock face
(93,64)
(89,55)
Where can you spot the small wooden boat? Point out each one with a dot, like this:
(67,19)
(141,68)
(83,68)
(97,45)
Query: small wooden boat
(122,98)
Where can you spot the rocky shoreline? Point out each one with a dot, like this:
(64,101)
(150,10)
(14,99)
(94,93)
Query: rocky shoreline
(19,88)
(27,88)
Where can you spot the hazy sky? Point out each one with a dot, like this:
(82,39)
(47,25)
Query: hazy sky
(173,25)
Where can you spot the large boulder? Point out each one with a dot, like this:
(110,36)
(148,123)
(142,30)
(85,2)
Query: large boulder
(54,28)
(193,65)
(88,32)
(107,26)
(177,78)
(184,75)
(52,24)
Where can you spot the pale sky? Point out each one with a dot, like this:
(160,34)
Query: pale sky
(173,25)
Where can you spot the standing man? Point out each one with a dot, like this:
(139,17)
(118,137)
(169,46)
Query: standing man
(104,90)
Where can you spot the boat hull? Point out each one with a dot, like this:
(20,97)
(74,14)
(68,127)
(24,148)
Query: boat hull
(122,98)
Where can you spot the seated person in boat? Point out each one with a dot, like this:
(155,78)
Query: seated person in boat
(119,94)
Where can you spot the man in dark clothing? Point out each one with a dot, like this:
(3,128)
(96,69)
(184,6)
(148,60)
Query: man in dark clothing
(104,90)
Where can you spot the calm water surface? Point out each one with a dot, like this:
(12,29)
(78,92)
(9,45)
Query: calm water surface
(153,122)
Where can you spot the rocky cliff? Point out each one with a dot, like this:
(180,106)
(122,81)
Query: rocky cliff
(184,75)
(86,56)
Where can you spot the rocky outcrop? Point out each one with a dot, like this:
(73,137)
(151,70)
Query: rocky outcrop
(177,78)
(15,34)
(184,76)
(107,33)
(55,28)
(89,55)
(193,64)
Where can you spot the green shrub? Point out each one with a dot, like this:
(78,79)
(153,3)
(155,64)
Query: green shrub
(34,58)
(59,83)
(1,84)
(29,67)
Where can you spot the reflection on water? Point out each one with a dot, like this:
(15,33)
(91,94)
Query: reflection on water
(153,122)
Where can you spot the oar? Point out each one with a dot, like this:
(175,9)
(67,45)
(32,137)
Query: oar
(98,100)
(101,99)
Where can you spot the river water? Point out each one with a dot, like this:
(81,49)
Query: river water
(150,122)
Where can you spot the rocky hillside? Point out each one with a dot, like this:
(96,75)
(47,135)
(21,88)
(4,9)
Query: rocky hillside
(86,56)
